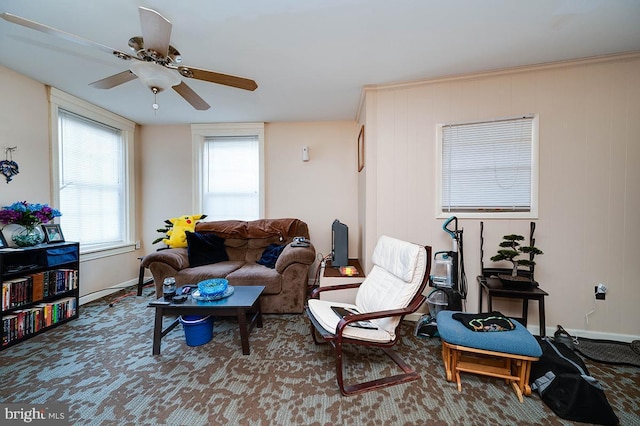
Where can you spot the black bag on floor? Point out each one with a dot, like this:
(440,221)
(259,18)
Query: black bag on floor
(564,384)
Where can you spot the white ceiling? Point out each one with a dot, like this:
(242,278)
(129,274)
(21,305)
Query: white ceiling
(310,58)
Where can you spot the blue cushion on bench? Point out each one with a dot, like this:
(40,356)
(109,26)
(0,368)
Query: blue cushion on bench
(519,341)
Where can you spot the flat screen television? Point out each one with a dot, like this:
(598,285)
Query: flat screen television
(339,244)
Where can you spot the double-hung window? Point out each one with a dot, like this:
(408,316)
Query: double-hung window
(229,176)
(489,168)
(92,151)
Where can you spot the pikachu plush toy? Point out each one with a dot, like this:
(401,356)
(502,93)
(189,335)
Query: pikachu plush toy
(176,228)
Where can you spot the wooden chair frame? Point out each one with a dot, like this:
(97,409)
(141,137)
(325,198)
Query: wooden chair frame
(337,340)
(514,368)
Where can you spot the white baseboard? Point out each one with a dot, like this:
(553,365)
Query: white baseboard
(588,334)
(107,291)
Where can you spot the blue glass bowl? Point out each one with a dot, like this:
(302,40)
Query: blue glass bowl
(196,295)
(214,287)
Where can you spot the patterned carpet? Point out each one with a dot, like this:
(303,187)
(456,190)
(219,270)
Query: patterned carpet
(101,367)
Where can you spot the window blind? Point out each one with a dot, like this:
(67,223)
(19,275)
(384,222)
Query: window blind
(487,166)
(92,187)
(231,178)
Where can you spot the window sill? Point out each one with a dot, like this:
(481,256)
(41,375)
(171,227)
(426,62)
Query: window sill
(98,253)
(488,215)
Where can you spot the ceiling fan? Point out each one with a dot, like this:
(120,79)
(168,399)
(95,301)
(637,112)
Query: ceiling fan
(154,61)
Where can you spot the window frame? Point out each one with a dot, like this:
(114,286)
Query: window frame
(59,100)
(199,134)
(440,213)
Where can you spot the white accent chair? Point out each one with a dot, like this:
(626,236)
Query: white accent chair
(392,289)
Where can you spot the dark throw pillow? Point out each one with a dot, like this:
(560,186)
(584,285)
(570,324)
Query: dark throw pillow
(270,255)
(204,249)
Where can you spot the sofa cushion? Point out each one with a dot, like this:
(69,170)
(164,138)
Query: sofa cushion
(285,228)
(256,247)
(270,255)
(200,273)
(236,248)
(204,249)
(254,274)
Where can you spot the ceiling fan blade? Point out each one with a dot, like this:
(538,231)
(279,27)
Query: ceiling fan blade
(190,96)
(62,34)
(114,80)
(156,31)
(214,77)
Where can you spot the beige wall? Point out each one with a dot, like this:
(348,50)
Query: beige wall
(320,190)
(24,122)
(589,223)
(317,191)
(166,175)
(24,118)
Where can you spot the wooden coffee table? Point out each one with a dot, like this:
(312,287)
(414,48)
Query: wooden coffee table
(243,304)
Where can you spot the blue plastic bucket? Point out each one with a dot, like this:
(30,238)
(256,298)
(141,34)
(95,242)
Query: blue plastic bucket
(198,330)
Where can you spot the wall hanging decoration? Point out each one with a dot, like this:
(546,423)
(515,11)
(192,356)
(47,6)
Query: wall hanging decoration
(8,167)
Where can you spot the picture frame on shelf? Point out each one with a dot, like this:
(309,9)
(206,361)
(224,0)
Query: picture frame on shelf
(361,149)
(53,233)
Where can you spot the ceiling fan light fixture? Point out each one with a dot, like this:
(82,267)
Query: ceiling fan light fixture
(154,75)
(156,65)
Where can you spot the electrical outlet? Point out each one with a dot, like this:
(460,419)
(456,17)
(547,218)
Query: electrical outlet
(137,245)
(601,291)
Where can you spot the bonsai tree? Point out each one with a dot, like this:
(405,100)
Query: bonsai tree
(511,249)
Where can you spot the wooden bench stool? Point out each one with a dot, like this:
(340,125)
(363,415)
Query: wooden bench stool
(503,354)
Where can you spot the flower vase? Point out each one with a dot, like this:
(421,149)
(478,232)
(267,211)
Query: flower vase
(27,236)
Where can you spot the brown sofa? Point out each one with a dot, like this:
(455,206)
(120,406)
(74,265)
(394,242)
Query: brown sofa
(285,285)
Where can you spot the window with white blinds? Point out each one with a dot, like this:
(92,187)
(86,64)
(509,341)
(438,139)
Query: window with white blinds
(92,154)
(231,180)
(489,167)
(91,180)
(229,170)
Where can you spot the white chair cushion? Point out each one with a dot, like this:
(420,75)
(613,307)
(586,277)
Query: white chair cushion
(397,257)
(321,311)
(383,289)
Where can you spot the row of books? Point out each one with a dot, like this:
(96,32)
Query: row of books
(24,322)
(31,288)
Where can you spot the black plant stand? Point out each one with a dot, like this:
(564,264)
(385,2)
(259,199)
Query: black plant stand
(494,288)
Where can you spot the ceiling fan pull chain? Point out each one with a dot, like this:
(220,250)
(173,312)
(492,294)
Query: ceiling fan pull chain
(155,102)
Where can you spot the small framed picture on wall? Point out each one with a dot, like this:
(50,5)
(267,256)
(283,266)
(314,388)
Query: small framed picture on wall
(53,233)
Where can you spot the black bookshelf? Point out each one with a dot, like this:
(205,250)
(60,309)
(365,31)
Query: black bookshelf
(40,290)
